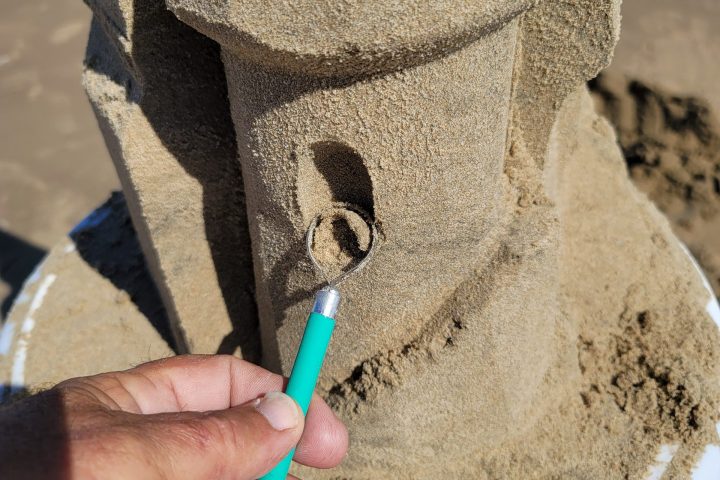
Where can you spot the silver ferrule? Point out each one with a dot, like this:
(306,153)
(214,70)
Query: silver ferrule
(327,301)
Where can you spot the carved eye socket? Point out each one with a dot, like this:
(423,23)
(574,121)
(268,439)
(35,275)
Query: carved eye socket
(333,174)
(334,182)
(341,238)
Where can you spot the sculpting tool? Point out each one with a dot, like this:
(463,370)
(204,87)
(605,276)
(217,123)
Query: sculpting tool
(315,340)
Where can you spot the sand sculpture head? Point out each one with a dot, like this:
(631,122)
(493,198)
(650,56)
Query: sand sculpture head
(407,112)
(432,120)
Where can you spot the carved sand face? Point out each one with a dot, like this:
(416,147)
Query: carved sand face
(420,151)
(410,125)
(401,110)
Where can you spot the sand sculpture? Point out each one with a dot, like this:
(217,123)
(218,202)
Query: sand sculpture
(527,314)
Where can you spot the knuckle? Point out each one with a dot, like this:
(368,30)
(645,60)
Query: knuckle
(197,433)
(214,434)
(197,438)
(225,431)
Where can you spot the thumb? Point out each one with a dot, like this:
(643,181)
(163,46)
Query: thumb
(243,442)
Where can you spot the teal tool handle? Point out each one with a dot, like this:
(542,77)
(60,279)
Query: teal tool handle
(304,376)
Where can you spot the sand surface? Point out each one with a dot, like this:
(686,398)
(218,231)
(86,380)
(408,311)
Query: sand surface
(635,369)
(671,144)
(54,167)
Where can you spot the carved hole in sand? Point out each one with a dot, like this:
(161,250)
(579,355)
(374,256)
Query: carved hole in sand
(334,174)
(342,238)
(334,182)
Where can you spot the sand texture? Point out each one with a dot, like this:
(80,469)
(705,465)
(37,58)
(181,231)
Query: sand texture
(674,44)
(90,307)
(158,91)
(639,360)
(344,39)
(527,314)
(643,345)
(661,94)
(637,354)
(54,167)
(483,234)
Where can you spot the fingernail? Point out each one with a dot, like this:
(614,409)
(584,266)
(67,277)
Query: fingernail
(280,410)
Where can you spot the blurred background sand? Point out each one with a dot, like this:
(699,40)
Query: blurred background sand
(54,168)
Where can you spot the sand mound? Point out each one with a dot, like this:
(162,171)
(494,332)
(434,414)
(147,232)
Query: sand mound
(672,147)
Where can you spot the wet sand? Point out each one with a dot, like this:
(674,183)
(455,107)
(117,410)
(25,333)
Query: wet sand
(54,167)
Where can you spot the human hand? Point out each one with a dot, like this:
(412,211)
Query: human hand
(194,417)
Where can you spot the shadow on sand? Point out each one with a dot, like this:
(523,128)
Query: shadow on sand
(18,258)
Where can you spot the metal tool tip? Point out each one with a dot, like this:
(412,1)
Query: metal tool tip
(327,301)
(334,282)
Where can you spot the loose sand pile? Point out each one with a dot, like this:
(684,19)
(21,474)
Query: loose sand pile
(646,364)
(641,375)
(672,147)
